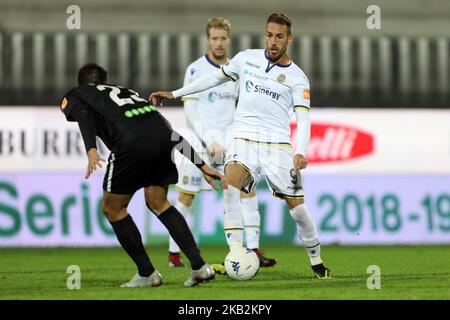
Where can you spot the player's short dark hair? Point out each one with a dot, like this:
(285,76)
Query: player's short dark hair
(92,73)
(281,18)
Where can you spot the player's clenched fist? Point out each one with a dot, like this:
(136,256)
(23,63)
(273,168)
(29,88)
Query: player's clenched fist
(157,97)
(300,162)
(217,152)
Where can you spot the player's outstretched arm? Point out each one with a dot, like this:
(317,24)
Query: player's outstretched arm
(86,122)
(303,135)
(202,83)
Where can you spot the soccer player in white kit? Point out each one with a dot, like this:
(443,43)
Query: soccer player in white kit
(271,88)
(210,115)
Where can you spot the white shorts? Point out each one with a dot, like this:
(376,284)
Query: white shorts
(190,178)
(274,161)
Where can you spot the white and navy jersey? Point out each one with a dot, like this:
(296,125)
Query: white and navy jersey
(216,106)
(268,95)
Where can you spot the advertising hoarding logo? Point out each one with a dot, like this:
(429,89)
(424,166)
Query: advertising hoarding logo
(335,142)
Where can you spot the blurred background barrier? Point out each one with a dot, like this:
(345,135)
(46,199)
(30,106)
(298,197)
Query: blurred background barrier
(372,178)
(37,68)
(343,140)
(146,45)
(63,209)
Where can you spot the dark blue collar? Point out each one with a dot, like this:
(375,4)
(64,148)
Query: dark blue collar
(269,67)
(209,60)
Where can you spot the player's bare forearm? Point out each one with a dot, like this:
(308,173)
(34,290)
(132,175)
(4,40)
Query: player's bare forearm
(202,83)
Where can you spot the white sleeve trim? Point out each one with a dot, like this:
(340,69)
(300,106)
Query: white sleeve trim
(202,83)
(303,130)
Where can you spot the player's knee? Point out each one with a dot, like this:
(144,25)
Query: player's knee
(154,204)
(110,211)
(156,199)
(236,175)
(157,204)
(299,211)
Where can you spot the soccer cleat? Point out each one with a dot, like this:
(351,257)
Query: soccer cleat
(175,260)
(263,261)
(219,268)
(321,272)
(204,274)
(153,280)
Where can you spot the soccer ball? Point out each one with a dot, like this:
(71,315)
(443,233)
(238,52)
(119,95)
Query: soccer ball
(241,264)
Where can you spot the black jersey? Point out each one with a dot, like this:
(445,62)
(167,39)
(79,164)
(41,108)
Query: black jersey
(121,116)
(140,139)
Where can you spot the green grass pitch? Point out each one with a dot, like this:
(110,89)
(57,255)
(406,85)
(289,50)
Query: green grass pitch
(407,272)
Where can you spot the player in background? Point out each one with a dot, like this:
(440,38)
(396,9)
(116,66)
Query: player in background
(141,142)
(209,116)
(271,89)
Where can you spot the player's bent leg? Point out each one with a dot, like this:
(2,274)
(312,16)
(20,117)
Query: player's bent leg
(233,222)
(233,216)
(236,174)
(252,221)
(115,208)
(156,199)
(183,205)
(307,233)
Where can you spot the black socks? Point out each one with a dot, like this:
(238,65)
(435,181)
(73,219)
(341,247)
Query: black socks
(130,238)
(180,232)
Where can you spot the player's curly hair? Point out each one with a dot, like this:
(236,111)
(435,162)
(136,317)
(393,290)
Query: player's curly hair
(281,18)
(218,23)
(92,73)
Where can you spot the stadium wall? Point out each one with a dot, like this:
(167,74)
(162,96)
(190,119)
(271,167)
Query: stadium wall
(345,17)
(374,177)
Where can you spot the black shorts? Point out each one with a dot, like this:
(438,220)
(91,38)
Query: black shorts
(148,162)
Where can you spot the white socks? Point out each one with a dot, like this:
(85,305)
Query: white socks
(233,218)
(306,231)
(252,221)
(173,247)
(238,212)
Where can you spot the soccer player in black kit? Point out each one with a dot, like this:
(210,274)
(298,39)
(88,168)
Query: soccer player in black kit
(141,141)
